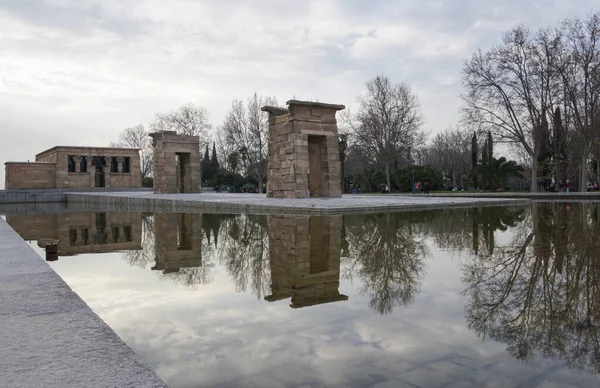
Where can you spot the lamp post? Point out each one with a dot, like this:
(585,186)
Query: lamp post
(412,162)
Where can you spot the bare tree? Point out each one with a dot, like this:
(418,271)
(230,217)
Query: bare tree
(245,254)
(388,122)
(450,152)
(247,128)
(580,71)
(137,137)
(228,153)
(510,90)
(189,119)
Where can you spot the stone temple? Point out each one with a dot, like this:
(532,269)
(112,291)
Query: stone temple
(304,158)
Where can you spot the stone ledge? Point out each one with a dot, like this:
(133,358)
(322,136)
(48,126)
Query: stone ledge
(315,104)
(28,163)
(260,204)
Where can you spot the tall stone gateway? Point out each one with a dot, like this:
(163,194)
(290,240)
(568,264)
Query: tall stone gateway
(176,163)
(304,158)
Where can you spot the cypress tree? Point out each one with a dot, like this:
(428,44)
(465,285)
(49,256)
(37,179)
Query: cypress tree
(485,165)
(490,144)
(206,157)
(545,154)
(205,166)
(214,162)
(559,147)
(474,153)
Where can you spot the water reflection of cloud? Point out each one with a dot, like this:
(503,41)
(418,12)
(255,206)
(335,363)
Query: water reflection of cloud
(216,336)
(195,338)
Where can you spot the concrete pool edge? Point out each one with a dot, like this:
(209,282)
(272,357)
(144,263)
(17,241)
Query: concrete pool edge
(53,338)
(259,204)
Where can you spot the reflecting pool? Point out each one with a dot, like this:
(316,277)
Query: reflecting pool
(478,297)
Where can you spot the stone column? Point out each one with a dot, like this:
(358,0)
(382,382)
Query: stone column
(106,170)
(77,161)
(120,161)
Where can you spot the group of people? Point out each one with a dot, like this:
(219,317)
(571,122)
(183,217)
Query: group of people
(385,188)
(356,189)
(418,187)
(569,186)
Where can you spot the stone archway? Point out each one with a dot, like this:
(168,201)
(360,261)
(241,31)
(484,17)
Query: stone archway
(304,158)
(176,163)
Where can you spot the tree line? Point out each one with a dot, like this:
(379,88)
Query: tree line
(539,91)
(537,94)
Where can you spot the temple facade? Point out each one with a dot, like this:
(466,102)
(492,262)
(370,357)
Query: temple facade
(65,167)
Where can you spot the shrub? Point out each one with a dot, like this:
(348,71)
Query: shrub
(148,181)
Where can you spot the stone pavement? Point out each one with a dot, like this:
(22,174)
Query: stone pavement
(259,203)
(49,337)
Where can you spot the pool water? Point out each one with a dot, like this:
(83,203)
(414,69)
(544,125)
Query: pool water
(476,297)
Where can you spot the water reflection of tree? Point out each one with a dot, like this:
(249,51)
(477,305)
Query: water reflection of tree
(192,277)
(541,293)
(144,257)
(245,253)
(470,230)
(387,255)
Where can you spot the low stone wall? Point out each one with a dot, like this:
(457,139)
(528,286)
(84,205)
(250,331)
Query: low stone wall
(34,208)
(30,175)
(29,196)
(592,196)
(9,196)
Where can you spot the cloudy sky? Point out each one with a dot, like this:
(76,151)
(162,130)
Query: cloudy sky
(76,72)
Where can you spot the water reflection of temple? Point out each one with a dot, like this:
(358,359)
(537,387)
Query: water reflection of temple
(77,233)
(178,241)
(305,259)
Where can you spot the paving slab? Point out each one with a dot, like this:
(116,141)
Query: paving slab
(259,203)
(49,337)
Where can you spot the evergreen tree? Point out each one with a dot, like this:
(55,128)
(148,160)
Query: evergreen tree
(474,153)
(205,166)
(490,145)
(482,169)
(206,157)
(544,158)
(214,162)
(559,149)
(497,172)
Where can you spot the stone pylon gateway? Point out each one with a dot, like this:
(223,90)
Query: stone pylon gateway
(176,163)
(304,158)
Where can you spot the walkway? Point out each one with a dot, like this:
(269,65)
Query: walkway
(49,337)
